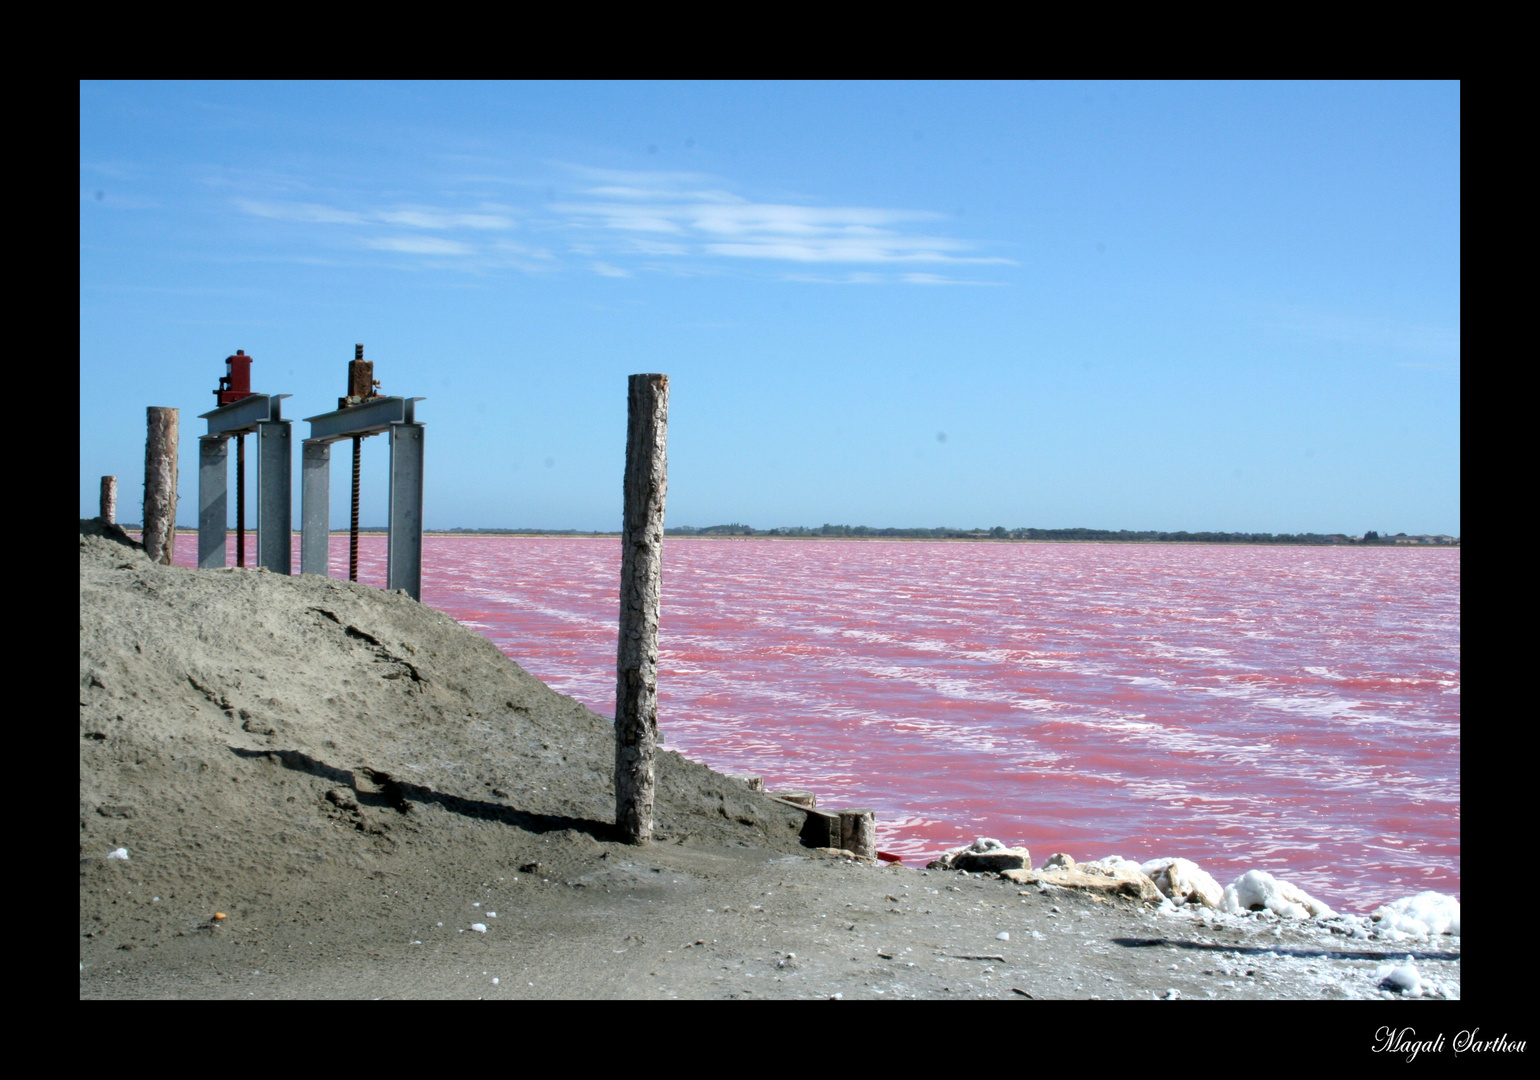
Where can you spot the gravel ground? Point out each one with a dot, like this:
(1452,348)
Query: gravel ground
(676,921)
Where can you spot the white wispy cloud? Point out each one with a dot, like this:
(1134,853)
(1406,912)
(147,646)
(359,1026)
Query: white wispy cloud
(427,219)
(618,223)
(312,213)
(937,279)
(783,231)
(412,217)
(438,219)
(419,245)
(688,214)
(507,247)
(867,277)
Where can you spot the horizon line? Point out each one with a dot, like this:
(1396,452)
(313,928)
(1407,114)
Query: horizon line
(940,532)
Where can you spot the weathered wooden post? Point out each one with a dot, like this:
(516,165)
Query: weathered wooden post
(858,832)
(160,485)
(641,566)
(110,500)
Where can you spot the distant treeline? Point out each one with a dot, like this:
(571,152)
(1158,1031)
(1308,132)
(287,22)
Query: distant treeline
(1000,532)
(525,532)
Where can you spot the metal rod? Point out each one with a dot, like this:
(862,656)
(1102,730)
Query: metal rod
(358,442)
(240,500)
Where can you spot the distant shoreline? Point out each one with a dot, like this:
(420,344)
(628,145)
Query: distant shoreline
(1384,542)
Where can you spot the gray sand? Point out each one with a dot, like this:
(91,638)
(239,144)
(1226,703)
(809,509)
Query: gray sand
(347,774)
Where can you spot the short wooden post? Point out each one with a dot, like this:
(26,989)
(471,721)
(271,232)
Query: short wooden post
(801,798)
(858,832)
(641,566)
(110,500)
(160,484)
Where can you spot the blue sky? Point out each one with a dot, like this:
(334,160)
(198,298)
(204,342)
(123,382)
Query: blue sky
(1143,306)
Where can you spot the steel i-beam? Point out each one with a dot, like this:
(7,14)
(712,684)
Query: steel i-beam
(403,559)
(213,500)
(275,487)
(262,414)
(315,482)
(396,415)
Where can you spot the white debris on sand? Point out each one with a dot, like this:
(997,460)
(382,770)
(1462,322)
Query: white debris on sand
(1257,890)
(1182,882)
(1428,914)
(118,853)
(1191,893)
(1405,980)
(1402,978)
(1109,863)
(1259,900)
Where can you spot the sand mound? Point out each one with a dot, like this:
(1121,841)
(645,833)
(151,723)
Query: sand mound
(247,735)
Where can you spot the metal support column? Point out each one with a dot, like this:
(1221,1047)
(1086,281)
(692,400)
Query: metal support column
(404,543)
(315,484)
(213,500)
(260,413)
(275,491)
(373,416)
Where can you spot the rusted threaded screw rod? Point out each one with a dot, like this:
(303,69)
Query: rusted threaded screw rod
(358,443)
(358,390)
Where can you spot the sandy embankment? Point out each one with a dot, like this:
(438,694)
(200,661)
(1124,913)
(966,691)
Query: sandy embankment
(357,782)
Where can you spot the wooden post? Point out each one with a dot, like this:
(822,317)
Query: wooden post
(858,832)
(641,567)
(160,485)
(110,500)
(801,798)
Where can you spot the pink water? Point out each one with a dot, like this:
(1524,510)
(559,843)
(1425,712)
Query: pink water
(1290,709)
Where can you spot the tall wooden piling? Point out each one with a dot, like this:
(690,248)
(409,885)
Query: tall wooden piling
(641,566)
(160,448)
(110,500)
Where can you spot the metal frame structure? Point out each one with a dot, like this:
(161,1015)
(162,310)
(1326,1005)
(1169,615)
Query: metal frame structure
(259,413)
(403,562)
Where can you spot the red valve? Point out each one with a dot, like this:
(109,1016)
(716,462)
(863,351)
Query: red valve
(235,384)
